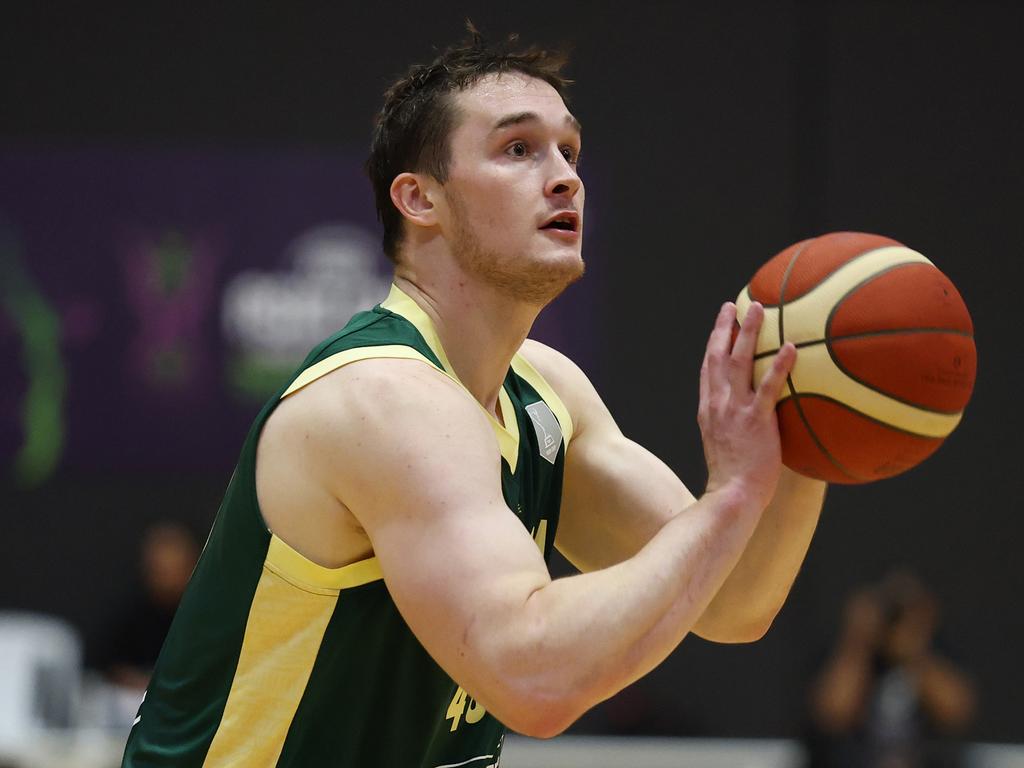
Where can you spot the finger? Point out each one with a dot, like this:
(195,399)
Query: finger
(716,354)
(772,385)
(721,335)
(746,340)
(742,368)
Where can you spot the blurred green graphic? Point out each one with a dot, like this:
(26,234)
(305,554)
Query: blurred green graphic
(42,409)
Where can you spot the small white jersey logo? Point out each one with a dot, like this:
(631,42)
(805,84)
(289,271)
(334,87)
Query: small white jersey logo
(549,432)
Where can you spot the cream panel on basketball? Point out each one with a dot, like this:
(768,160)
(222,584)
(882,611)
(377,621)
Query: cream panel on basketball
(817,374)
(805,320)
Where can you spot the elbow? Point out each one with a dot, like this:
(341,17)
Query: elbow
(753,630)
(544,702)
(734,630)
(540,716)
(543,687)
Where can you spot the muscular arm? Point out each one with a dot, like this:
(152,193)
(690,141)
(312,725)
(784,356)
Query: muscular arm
(617,495)
(752,596)
(417,463)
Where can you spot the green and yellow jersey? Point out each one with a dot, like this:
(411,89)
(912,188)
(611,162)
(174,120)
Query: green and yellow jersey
(273,660)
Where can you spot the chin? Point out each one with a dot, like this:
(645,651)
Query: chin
(544,280)
(527,274)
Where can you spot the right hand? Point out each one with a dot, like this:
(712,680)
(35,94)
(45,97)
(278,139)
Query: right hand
(737,422)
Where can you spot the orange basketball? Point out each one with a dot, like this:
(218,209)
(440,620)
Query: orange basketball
(886,357)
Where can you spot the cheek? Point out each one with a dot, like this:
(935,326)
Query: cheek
(501,206)
(499,203)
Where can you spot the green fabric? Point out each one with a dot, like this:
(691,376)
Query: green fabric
(374,697)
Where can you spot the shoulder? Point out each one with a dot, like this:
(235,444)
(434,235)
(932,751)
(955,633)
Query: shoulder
(378,409)
(560,372)
(568,381)
(383,386)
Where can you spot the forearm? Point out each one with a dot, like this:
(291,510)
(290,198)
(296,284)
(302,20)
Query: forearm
(754,592)
(838,696)
(582,639)
(946,693)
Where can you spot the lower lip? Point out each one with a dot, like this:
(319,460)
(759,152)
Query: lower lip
(565,235)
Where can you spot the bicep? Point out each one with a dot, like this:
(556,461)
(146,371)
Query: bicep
(420,470)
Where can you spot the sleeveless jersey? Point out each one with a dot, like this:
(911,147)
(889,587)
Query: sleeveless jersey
(273,660)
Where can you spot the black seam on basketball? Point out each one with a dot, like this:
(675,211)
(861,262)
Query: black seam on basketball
(785,282)
(872,387)
(825,277)
(866,335)
(814,435)
(891,396)
(831,353)
(789,378)
(867,417)
(854,288)
(750,290)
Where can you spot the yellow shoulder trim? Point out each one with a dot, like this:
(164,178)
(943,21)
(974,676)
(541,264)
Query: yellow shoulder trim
(399,302)
(301,572)
(507,434)
(336,361)
(525,370)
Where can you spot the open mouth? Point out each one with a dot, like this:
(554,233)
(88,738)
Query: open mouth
(565,222)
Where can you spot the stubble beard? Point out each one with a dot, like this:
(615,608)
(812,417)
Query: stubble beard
(531,281)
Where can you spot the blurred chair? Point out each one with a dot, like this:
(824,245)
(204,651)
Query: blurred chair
(40,679)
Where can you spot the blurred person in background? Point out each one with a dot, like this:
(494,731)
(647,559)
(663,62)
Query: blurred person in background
(167,556)
(888,697)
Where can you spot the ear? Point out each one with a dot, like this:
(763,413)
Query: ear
(413,196)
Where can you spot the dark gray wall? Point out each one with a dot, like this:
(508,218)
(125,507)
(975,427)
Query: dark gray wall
(720,133)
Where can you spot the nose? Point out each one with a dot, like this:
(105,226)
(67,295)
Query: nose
(563,180)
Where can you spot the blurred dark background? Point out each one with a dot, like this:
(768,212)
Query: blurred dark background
(715,135)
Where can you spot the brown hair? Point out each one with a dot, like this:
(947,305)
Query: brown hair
(412,129)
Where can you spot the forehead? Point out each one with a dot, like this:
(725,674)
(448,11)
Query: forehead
(494,97)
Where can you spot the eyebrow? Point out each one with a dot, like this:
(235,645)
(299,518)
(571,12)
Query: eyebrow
(528,117)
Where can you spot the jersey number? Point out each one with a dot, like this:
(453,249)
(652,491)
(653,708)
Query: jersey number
(456,709)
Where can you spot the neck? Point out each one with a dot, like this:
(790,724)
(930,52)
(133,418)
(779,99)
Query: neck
(480,328)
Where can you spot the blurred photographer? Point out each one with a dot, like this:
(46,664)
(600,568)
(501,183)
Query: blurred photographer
(167,556)
(886,697)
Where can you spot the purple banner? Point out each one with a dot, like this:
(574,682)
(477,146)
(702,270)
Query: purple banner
(150,300)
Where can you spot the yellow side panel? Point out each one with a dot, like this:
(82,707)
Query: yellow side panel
(294,567)
(282,637)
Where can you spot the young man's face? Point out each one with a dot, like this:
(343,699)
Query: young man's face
(514,214)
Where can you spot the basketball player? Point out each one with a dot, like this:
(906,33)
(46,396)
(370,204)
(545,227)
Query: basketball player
(375,591)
